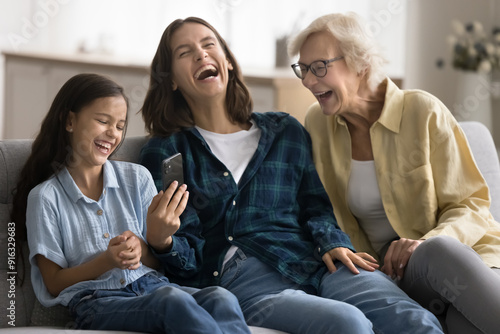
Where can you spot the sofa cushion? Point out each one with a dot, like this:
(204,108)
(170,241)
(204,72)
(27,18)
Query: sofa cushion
(56,316)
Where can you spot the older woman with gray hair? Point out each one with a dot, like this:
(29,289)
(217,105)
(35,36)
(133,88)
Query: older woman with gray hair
(399,172)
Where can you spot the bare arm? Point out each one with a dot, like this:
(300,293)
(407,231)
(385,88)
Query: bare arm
(124,252)
(147,258)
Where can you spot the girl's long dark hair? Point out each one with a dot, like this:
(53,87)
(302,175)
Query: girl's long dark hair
(165,111)
(51,148)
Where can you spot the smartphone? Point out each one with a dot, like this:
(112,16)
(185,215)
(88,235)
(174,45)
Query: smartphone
(171,170)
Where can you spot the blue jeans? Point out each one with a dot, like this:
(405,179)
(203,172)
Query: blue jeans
(153,304)
(345,303)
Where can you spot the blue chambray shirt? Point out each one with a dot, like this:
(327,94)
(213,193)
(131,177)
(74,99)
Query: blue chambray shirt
(69,229)
(279,211)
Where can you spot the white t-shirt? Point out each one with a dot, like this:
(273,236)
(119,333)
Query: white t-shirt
(365,202)
(234,150)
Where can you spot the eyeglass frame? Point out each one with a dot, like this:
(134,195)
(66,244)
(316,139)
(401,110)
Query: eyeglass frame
(308,67)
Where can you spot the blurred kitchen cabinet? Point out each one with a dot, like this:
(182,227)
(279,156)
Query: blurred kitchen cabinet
(26,91)
(33,79)
(278,90)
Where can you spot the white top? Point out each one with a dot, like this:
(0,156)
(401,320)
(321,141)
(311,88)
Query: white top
(234,150)
(365,202)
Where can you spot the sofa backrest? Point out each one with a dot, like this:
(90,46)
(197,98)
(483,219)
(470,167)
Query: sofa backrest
(486,156)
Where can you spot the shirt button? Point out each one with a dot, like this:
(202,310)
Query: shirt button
(230,238)
(106,235)
(216,273)
(99,212)
(226,173)
(122,281)
(234,203)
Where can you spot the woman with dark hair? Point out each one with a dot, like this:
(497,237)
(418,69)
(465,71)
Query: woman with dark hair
(268,233)
(86,220)
(165,108)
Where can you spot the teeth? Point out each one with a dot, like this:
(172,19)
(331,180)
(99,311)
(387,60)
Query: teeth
(203,69)
(319,94)
(104,144)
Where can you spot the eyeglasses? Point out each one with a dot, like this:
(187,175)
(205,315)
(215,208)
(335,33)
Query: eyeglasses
(318,67)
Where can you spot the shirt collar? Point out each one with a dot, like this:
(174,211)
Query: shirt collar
(392,111)
(110,181)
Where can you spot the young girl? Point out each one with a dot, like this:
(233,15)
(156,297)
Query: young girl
(87,217)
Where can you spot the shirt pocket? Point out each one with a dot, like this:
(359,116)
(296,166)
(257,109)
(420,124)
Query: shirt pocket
(275,185)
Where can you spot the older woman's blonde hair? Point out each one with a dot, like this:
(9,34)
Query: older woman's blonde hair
(358,46)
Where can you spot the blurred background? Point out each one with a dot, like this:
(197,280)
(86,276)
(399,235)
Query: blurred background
(44,42)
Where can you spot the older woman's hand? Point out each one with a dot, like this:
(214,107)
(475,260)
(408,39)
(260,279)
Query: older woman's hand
(397,256)
(349,259)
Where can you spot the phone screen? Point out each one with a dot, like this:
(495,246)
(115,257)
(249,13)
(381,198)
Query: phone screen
(171,170)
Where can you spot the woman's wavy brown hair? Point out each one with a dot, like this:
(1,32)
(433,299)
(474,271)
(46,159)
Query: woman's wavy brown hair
(165,111)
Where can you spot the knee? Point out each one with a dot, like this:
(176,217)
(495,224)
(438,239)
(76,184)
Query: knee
(221,295)
(170,295)
(340,316)
(442,245)
(349,319)
(441,242)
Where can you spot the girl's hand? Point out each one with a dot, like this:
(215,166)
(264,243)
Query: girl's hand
(133,255)
(349,259)
(125,251)
(397,256)
(163,216)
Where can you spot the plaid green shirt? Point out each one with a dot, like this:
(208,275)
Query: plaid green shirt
(279,211)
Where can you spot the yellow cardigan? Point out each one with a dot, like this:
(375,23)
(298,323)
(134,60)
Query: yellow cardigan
(429,182)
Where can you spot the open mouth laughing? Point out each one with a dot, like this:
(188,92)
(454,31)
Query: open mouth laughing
(206,72)
(103,146)
(321,96)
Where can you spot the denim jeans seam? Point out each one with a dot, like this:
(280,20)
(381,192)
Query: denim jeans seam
(237,263)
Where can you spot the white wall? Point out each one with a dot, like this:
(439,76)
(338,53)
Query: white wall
(428,26)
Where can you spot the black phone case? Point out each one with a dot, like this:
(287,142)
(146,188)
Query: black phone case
(171,170)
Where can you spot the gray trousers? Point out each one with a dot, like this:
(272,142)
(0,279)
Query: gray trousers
(451,280)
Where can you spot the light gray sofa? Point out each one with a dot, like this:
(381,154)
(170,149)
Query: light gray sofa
(28,312)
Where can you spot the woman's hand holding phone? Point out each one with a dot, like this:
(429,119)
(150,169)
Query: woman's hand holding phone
(163,218)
